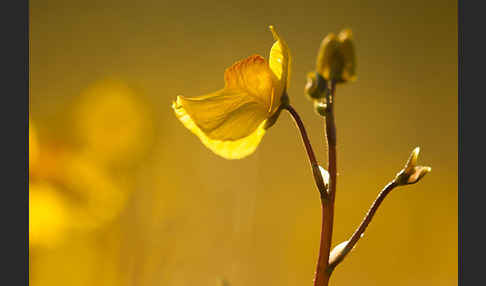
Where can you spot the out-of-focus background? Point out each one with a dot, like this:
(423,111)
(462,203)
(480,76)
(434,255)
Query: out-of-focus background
(122,194)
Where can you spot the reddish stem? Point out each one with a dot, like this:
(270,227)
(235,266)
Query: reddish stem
(310,152)
(327,203)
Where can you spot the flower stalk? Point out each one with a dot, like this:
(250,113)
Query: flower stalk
(318,177)
(322,274)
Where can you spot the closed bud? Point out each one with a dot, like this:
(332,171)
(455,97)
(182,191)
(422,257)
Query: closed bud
(338,253)
(315,87)
(336,58)
(412,173)
(325,176)
(320,108)
(310,88)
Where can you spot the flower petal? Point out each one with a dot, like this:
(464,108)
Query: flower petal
(254,77)
(231,122)
(228,149)
(224,115)
(280,60)
(412,160)
(418,173)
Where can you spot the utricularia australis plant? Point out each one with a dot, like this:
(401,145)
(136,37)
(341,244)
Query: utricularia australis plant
(232,121)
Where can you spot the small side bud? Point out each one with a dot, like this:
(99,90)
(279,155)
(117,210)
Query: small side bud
(310,88)
(325,176)
(338,253)
(315,87)
(320,108)
(412,173)
(336,59)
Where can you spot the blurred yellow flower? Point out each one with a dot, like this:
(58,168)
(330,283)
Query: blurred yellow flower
(98,198)
(336,60)
(232,121)
(69,192)
(33,146)
(48,216)
(113,123)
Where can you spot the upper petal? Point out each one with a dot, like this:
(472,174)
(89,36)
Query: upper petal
(254,77)
(280,60)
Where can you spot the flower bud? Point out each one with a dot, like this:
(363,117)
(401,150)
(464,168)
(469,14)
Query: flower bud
(325,176)
(310,88)
(336,58)
(338,253)
(412,173)
(315,87)
(320,108)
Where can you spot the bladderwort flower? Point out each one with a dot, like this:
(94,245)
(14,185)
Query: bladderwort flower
(232,121)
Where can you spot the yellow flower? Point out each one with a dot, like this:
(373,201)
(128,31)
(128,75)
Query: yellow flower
(110,110)
(48,214)
(232,121)
(336,59)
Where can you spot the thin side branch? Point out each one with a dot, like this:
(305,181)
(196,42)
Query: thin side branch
(310,152)
(410,174)
(336,259)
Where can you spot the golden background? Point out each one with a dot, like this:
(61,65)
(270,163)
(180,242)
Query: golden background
(122,194)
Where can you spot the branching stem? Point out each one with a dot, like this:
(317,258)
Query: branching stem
(325,264)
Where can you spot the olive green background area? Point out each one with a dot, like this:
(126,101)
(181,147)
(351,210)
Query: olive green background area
(194,218)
